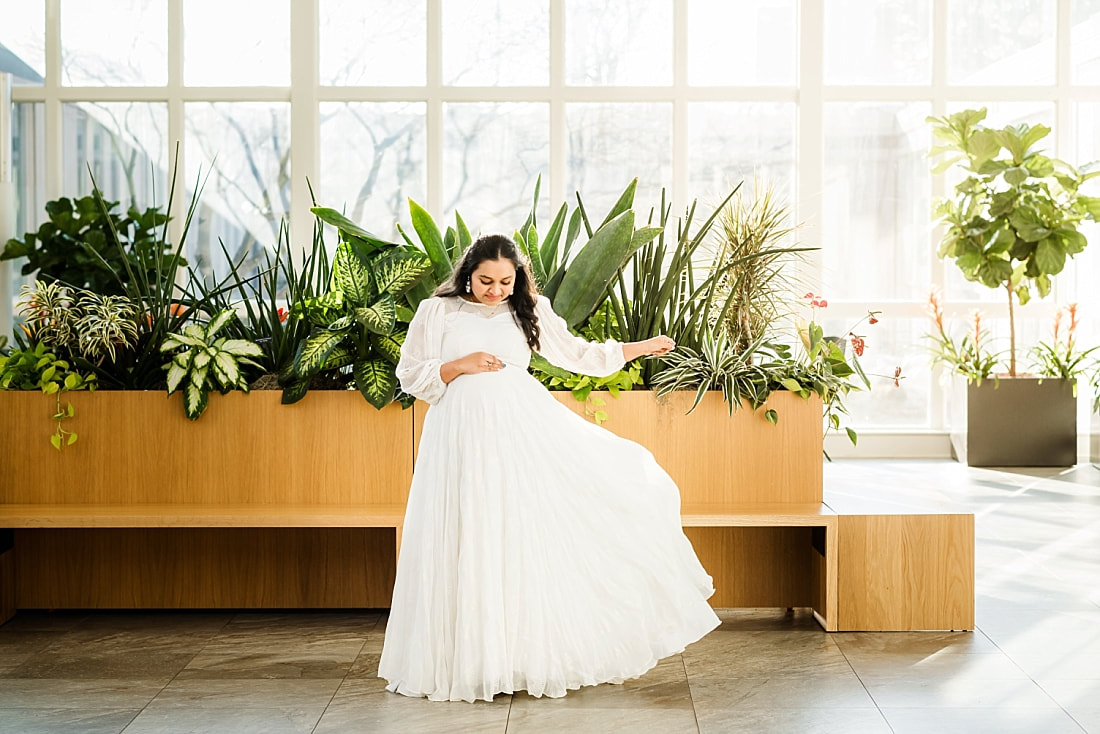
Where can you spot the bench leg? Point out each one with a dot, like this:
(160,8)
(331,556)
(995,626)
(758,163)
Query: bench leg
(831,564)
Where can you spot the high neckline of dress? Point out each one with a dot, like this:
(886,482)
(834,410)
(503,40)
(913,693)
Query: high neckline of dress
(486,306)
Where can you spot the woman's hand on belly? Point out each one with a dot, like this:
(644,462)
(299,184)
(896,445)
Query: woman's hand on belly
(469,365)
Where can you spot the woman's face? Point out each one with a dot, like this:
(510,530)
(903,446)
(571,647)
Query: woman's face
(492,281)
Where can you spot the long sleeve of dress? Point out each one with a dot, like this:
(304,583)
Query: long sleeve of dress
(562,348)
(418,368)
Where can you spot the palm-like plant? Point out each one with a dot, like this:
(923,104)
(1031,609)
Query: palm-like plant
(754,280)
(207,362)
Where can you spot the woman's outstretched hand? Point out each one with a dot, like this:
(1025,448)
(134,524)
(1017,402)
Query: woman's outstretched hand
(655,347)
(469,365)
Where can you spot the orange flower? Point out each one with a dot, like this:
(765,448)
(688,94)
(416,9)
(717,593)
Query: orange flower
(283,314)
(177,309)
(976,319)
(26,331)
(858,344)
(935,308)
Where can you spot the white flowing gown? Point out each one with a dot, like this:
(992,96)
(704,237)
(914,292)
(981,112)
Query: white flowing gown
(540,552)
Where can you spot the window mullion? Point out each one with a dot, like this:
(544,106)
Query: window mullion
(434,113)
(176,121)
(305,120)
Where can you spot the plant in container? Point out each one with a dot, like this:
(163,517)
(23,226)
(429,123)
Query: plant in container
(1012,224)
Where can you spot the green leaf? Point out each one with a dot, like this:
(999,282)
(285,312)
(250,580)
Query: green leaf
(791,384)
(351,276)
(376,380)
(380,316)
(72,439)
(226,370)
(589,274)
(398,271)
(1029,224)
(48,373)
(70,411)
(389,345)
(242,348)
(432,240)
(984,145)
(464,239)
(194,401)
(217,324)
(294,392)
(1016,175)
(1043,285)
(313,351)
(55,439)
(342,223)
(72,382)
(624,203)
(771,416)
(1049,256)
(1092,206)
(176,373)
(851,435)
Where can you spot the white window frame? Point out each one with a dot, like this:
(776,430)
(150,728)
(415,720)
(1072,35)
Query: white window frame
(810,95)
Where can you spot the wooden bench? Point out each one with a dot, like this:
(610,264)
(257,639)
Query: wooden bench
(874,567)
(221,516)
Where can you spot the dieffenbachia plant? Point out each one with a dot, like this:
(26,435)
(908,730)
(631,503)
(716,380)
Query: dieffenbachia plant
(203,361)
(362,321)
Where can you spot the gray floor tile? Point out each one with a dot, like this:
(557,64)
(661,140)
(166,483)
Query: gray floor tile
(916,643)
(665,687)
(261,658)
(53,720)
(360,706)
(252,694)
(77,694)
(803,721)
(934,667)
(965,693)
(285,720)
(1088,719)
(809,692)
(980,721)
(552,720)
(1073,695)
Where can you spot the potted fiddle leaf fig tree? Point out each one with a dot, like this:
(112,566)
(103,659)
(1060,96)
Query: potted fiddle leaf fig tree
(1012,224)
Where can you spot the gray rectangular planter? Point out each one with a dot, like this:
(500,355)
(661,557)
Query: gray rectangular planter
(1018,421)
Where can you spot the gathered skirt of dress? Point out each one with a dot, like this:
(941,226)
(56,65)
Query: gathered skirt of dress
(540,552)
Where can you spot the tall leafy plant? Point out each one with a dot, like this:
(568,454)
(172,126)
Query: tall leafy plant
(1013,220)
(77,244)
(262,299)
(148,278)
(355,325)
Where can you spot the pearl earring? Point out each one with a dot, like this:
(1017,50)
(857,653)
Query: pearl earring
(467,285)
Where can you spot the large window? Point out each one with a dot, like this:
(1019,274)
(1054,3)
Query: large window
(463,104)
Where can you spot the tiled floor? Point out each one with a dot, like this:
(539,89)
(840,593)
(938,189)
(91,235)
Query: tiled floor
(1032,666)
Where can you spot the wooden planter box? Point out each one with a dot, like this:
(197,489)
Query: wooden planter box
(332,448)
(1016,421)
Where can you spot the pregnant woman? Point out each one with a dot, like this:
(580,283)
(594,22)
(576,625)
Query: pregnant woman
(540,552)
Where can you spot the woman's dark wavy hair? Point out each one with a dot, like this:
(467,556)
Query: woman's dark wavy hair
(499,247)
